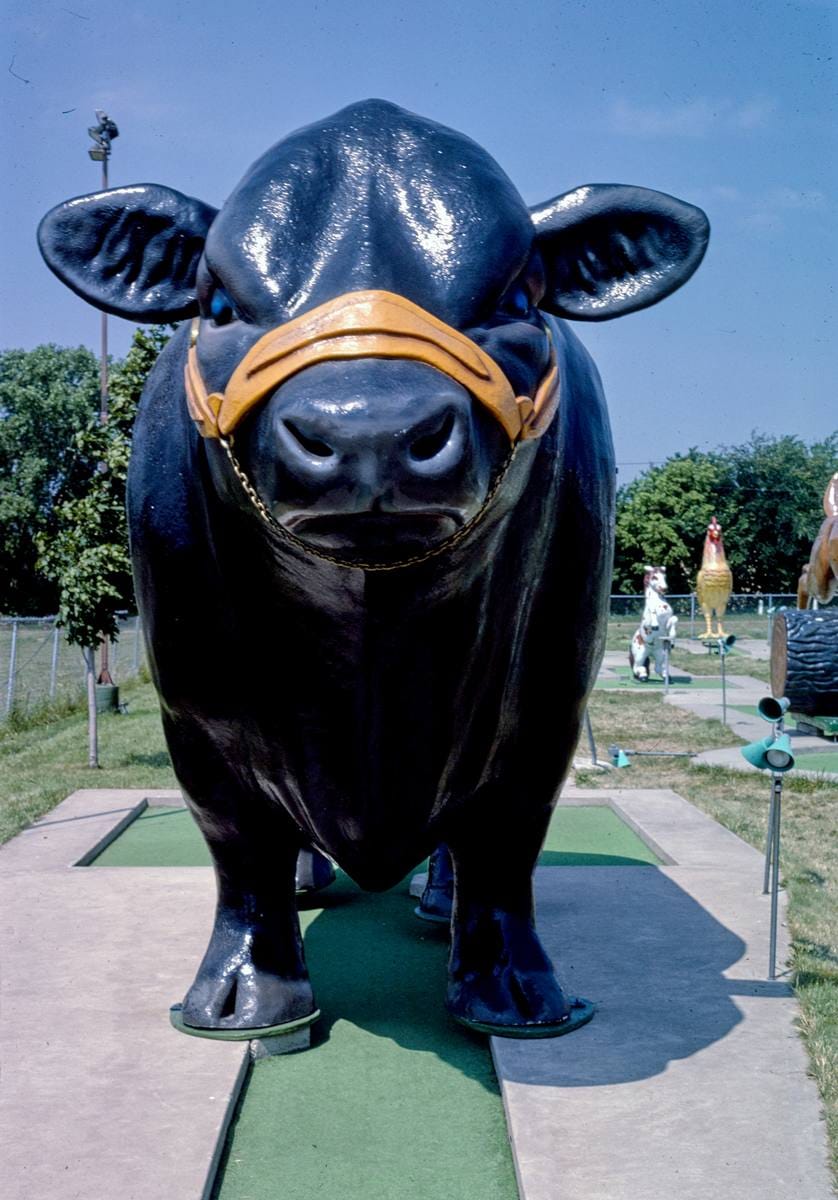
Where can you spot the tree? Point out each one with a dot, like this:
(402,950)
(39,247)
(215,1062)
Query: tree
(88,557)
(766,494)
(775,491)
(46,396)
(662,516)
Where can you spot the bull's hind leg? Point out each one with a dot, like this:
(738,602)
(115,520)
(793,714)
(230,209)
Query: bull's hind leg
(501,980)
(253,974)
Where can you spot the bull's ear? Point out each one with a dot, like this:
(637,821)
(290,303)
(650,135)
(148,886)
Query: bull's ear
(610,249)
(131,251)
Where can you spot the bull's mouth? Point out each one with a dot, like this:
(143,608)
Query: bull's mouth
(383,537)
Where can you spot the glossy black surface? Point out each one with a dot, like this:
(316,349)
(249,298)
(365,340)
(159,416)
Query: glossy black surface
(375,713)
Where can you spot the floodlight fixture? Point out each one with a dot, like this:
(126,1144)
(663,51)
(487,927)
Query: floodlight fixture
(773,708)
(779,754)
(770,754)
(102,134)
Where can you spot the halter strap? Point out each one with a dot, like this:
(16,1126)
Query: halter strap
(367,324)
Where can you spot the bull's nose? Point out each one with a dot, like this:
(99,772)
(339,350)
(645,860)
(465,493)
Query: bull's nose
(326,440)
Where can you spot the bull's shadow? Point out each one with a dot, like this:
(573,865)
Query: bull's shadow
(632,940)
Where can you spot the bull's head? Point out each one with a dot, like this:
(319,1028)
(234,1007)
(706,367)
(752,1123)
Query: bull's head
(369,313)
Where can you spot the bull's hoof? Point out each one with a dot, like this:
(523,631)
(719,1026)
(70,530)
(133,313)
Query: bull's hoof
(581,1012)
(514,1002)
(249,979)
(437,900)
(314,871)
(436,917)
(501,980)
(239,1035)
(247,999)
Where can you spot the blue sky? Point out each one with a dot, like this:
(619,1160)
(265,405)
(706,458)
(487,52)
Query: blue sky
(728,106)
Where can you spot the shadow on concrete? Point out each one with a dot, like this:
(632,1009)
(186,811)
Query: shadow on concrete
(653,960)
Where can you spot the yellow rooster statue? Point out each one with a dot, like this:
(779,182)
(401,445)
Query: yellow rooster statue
(715,581)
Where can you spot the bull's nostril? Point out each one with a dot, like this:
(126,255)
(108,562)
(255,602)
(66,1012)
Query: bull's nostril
(312,444)
(430,444)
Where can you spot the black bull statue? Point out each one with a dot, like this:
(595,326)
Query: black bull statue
(370,504)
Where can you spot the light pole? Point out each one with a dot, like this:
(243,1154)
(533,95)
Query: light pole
(103,134)
(774,754)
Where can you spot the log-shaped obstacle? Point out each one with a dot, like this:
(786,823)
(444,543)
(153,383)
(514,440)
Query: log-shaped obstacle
(804,660)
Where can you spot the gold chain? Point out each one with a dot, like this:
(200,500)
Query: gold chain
(441,548)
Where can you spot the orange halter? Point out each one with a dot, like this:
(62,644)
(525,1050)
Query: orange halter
(367,324)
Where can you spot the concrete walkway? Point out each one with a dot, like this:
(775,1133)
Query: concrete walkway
(689,1083)
(731,756)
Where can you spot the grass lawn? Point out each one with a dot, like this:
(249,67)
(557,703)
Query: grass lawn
(689,655)
(43,763)
(809,849)
(702,662)
(621,629)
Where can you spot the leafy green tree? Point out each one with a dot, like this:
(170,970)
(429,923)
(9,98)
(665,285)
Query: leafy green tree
(774,493)
(88,557)
(46,396)
(766,494)
(662,516)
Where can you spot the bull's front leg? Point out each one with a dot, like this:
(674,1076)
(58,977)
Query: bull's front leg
(253,974)
(501,980)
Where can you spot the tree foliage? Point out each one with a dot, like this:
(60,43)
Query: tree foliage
(46,396)
(87,556)
(766,494)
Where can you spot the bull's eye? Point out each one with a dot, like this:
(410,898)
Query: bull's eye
(221,307)
(516,302)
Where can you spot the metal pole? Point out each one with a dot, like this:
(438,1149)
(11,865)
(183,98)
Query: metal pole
(692,614)
(103,322)
(722,656)
(769,843)
(137,632)
(92,719)
(53,667)
(775,876)
(666,645)
(10,686)
(103,134)
(590,733)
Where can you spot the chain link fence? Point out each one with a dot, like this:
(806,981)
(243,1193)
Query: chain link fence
(748,614)
(38,666)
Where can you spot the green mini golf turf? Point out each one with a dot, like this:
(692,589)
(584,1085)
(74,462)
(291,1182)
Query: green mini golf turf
(590,836)
(628,683)
(584,836)
(393,1099)
(159,837)
(818,760)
